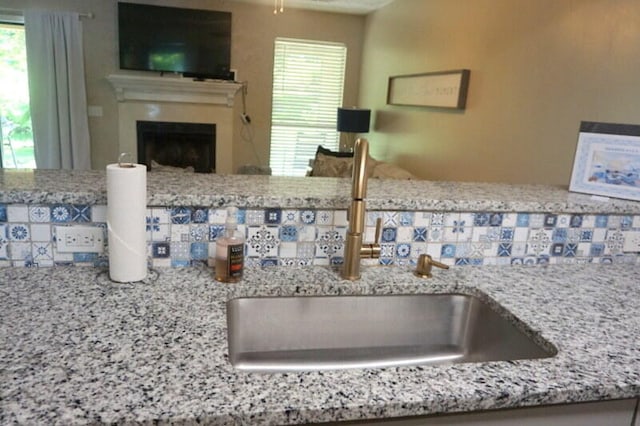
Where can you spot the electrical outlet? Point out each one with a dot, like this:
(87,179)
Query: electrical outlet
(85,239)
(631,241)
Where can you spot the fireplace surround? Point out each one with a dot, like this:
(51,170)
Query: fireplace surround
(178,100)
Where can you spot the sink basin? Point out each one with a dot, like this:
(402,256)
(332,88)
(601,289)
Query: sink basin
(282,334)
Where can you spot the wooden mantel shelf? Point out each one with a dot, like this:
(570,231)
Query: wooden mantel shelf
(173,89)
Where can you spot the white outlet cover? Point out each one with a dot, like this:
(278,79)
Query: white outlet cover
(79,239)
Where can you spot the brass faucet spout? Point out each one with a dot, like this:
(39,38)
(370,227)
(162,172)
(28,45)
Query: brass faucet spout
(353,248)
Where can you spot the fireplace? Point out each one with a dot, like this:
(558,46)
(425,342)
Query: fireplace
(177,144)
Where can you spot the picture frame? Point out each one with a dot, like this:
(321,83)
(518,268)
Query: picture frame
(607,160)
(444,89)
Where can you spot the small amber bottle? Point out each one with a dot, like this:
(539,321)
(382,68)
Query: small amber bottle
(229,256)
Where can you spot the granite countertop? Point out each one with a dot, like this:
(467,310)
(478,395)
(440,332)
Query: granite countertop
(77,348)
(175,189)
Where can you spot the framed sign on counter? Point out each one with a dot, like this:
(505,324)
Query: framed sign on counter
(446,89)
(607,160)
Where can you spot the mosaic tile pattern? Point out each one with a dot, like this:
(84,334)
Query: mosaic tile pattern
(183,235)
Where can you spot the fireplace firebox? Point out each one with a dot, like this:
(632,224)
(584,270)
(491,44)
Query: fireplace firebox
(177,145)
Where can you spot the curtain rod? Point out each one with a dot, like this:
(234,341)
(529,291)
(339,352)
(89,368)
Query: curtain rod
(20,12)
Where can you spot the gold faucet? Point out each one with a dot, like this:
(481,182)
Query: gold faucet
(354,249)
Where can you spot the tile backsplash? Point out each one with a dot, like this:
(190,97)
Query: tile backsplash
(180,236)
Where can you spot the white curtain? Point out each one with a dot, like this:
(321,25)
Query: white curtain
(57,90)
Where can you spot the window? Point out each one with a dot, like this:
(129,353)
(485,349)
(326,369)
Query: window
(16,136)
(308,81)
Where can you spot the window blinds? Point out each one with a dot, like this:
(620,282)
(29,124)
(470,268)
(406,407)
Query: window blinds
(308,81)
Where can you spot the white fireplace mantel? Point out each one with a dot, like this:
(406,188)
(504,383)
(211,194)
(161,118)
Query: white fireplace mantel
(173,89)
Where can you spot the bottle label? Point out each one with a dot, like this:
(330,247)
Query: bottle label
(235,260)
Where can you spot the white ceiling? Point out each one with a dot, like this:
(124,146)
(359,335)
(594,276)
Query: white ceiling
(361,7)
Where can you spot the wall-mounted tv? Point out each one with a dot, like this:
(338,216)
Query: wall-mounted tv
(196,43)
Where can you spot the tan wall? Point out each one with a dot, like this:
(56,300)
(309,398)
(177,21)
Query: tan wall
(538,67)
(254,29)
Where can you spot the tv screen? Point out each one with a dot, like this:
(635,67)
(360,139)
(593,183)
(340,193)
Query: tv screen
(196,43)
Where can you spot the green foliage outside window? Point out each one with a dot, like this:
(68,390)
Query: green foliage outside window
(16,134)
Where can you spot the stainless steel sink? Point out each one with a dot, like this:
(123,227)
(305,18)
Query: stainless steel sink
(279,334)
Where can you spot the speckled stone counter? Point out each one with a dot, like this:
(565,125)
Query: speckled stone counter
(180,189)
(77,348)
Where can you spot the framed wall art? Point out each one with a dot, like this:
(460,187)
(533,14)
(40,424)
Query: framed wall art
(446,89)
(607,160)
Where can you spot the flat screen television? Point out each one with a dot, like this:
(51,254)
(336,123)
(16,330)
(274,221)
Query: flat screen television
(195,43)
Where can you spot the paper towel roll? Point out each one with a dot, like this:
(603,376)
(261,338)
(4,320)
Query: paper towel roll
(126,217)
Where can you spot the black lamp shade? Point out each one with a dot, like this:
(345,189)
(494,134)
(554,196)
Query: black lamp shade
(353,120)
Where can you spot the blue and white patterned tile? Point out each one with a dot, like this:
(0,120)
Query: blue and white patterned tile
(536,220)
(389,235)
(614,242)
(330,242)
(39,214)
(389,219)
(80,213)
(403,250)
(295,262)
(3,213)
(19,232)
(435,235)
(4,243)
(576,221)
(217,216)
(17,213)
(61,213)
(161,250)
(324,217)
(539,242)
(306,250)
(626,222)
(288,233)
(308,217)
(437,219)
(199,251)
(180,251)
(417,249)
(522,220)
(405,218)
(180,215)
(161,232)
(40,232)
(198,233)
(254,217)
(550,220)
(262,241)
(420,234)
(152,222)
(42,252)
(216,231)
(290,217)
(180,233)
(200,215)
(272,216)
